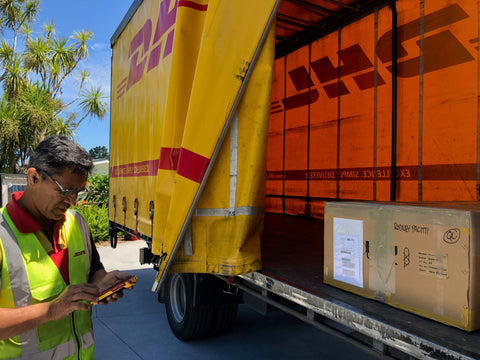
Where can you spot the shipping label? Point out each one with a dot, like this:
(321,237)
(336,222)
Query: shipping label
(348,251)
(433,264)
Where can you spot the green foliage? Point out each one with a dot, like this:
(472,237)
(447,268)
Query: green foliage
(98,190)
(97,220)
(91,102)
(94,206)
(99,152)
(31,83)
(25,122)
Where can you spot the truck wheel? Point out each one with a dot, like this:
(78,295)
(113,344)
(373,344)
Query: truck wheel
(186,321)
(224,317)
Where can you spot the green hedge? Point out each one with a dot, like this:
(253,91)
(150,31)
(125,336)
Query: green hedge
(97,220)
(94,206)
(98,190)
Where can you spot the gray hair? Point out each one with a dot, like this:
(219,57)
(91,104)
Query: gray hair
(58,152)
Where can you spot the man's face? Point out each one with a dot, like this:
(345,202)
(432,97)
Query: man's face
(51,199)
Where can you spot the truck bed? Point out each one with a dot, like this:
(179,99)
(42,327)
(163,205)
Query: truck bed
(292,252)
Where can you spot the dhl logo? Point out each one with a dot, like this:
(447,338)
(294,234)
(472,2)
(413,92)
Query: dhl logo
(441,49)
(79,253)
(146,51)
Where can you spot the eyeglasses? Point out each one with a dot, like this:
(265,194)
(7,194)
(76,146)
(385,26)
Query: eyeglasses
(64,192)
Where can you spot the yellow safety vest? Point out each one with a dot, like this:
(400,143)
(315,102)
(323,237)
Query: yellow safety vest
(29,276)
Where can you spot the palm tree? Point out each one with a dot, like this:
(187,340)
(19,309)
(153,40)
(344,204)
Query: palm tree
(83,78)
(36,57)
(16,13)
(62,62)
(9,135)
(92,104)
(30,103)
(80,43)
(27,32)
(69,57)
(13,78)
(49,29)
(6,52)
(64,126)
(36,109)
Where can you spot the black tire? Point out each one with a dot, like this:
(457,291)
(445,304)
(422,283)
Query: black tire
(186,321)
(224,317)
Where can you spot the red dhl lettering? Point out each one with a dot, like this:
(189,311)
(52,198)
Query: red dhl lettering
(145,51)
(79,253)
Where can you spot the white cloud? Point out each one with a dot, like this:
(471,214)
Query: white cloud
(100,46)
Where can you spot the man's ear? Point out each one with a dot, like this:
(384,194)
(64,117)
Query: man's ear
(33,176)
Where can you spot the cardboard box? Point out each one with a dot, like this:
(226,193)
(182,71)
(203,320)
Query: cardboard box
(422,258)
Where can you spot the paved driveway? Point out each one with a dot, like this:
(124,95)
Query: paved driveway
(136,327)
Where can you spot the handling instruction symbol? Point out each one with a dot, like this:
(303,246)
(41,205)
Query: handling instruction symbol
(406,257)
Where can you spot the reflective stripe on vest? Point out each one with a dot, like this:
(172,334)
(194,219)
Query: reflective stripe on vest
(21,293)
(18,281)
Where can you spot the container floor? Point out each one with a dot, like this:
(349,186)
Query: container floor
(292,249)
(292,252)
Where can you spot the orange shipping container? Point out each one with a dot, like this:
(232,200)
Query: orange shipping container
(336,134)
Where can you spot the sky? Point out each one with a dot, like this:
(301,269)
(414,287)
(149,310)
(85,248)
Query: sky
(102,17)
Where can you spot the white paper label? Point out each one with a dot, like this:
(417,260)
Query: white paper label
(433,264)
(348,251)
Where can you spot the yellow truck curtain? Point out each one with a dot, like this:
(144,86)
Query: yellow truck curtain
(204,88)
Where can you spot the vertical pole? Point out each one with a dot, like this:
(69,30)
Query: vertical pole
(393,170)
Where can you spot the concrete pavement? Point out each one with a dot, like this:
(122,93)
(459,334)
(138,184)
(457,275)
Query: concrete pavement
(123,257)
(136,327)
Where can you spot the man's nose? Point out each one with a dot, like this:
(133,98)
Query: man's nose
(71,199)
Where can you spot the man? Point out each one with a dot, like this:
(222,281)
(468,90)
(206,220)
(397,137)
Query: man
(50,268)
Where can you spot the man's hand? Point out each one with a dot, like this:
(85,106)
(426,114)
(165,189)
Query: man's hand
(71,299)
(18,320)
(109,280)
